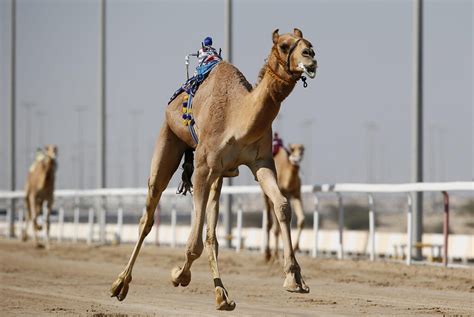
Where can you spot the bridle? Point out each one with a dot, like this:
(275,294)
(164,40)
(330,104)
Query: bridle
(286,66)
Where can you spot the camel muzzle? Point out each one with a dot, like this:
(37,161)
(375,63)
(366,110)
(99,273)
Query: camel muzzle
(308,70)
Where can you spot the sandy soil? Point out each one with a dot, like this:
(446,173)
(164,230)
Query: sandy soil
(74,280)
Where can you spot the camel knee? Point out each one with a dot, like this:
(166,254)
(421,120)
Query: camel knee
(146,223)
(300,222)
(282,210)
(154,188)
(194,251)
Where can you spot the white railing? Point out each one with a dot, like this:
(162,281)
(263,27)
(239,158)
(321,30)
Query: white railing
(338,189)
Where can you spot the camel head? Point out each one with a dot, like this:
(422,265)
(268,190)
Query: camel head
(50,152)
(295,53)
(296,153)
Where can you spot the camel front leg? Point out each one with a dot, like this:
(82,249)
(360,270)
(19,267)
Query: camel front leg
(202,185)
(269,211)
(47,221)
(223,302)
(166,157)
(297,206)
(35,211)
(266,176)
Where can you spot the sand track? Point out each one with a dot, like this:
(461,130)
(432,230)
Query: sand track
(74,280)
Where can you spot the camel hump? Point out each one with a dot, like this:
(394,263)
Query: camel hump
(229,73)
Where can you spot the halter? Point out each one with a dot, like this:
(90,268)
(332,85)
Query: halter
(286,66)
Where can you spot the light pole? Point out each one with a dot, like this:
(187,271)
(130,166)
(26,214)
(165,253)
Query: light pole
(102,127)
(12,146)
(417,121)
(228,51)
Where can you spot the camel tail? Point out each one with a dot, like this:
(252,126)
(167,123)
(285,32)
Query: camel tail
(186,184)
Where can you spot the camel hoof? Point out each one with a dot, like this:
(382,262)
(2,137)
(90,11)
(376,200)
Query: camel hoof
(119,288)
(223,302)
(294,283)
(179,277)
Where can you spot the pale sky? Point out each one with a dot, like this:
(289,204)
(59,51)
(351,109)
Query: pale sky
(364,52)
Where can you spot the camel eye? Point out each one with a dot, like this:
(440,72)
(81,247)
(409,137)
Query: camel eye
(307,52)
(284,47)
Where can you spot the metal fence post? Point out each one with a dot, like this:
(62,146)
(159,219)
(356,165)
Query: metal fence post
(409,228)
(446,227)
(173,226)
(61,224)
(90,236)
(315,225)
(371,227)
(118,229)
(157,224)
(264,231)
(10,220)
(239,229)
(340,254)
(76,219)
(21,230)
(102,220)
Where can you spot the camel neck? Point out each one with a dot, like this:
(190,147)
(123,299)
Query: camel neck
(263,103)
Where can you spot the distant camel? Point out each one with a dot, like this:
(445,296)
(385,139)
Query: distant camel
(40,188)
(233,122)
(287,163)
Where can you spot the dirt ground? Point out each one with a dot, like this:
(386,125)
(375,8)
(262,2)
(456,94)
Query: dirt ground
(74,280)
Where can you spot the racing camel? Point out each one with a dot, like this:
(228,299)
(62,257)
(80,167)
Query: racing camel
(233,123)
(39,188)
(287,163)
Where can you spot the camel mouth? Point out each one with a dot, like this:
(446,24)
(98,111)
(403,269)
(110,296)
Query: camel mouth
(308,70)
(295,160)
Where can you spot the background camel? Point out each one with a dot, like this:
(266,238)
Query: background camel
(233,123)
(39,188)
(287,162)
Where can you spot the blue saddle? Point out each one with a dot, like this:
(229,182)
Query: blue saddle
(190,87)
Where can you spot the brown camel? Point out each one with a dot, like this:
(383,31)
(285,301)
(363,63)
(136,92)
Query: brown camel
(233,122)
(39,188)
(287,163)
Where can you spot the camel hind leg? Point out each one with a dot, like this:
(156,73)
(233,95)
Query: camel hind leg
(223,302)
(166,157)
(297,207)
(203,179)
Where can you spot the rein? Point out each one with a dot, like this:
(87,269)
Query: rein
(286,66)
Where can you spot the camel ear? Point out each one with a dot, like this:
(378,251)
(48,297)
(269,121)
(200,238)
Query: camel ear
(298,33)
(275,36)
